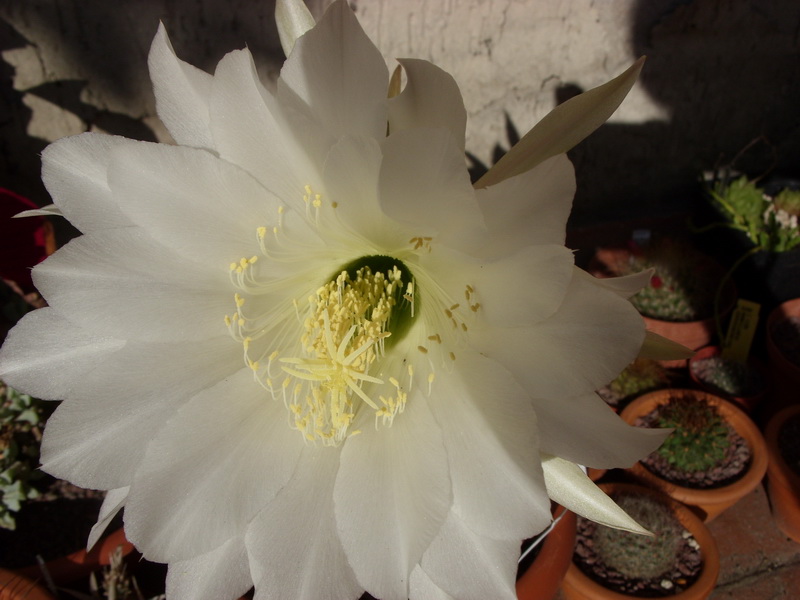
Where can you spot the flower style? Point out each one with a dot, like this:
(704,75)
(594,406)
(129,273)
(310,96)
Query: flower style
(304,352)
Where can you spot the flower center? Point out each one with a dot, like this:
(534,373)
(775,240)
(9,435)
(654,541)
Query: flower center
(347,327)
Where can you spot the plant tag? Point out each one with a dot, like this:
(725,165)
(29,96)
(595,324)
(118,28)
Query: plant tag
(741,331)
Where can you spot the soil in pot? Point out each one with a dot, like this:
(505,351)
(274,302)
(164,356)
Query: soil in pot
(659,566)
(704,452)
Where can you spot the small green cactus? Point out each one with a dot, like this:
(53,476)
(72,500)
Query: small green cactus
(683,283)
(701,437)
(642,375)
(637,556)
(20,435)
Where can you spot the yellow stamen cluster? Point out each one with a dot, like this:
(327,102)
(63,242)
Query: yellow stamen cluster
(343,336)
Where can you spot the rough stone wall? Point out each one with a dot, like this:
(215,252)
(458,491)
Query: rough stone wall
(719,74)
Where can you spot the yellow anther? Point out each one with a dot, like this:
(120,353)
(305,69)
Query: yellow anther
(261,232)
(422,349)
(435,338)
(449,313)
(455,306)
(233,266)
(227,320)
(475,307)
(452,356)
(336,205)
(239,300)
(464,327)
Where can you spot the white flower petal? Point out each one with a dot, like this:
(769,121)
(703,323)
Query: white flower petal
(340,75)
(50,210)
(489,430)
(97,437)
(625,286)
(45,355)
(174,193)
(506,288)
(313,566)
(75,172)
(210,469)
(112,504)
(531,208)
(248,130)
(182,91)
(221,574)
(391,496)
(423,183)
(293,19)
(423,588)
(582,347)
(469,566)
(568,485)
(430,99)
(563,127)
(351,180)
(599,438)
(165,298)
(657,347)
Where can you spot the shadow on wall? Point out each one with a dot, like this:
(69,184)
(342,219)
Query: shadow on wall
(106,43)
(728,72)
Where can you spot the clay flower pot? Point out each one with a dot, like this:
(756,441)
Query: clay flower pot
(708,502)
(579,586)
(747,401)
(14,586)
(543,578)
(67,569)
(785,373)
(783,483)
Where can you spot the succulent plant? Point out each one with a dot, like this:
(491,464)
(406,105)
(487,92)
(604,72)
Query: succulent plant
(769,220)
(701,437)
(683,284)
(20,434)
(638,556)
(727,376)
(642,375)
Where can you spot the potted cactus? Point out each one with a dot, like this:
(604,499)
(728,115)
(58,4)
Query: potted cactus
(680,560)
(742,383)
(642,375)
(715,456)
(678,303)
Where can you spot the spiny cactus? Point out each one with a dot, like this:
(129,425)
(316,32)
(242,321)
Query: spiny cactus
(638,556)
(20,434)
(727,376)
(701,437)
(640,376)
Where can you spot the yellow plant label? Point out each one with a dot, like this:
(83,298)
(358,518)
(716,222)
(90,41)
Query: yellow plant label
(741,331)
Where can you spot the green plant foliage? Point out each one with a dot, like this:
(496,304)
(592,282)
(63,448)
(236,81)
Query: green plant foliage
(20,434)
(770,222)
(638,556)
(701,437)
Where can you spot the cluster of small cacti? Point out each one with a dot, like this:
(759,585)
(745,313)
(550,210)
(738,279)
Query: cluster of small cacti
(770,221)
(20,434)
(682,286)
(701,437)
(638,556)
(640,376)
(728,376)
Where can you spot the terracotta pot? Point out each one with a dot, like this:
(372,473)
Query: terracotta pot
(543,578)
(14,586)
(708,502)
(783,483)
(578,586)
(746,403)
(67,569)
(785,374)
(692,334)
